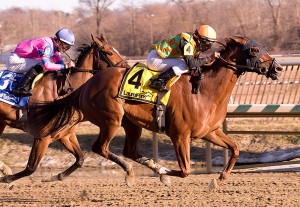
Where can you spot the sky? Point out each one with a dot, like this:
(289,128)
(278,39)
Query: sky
(61,5)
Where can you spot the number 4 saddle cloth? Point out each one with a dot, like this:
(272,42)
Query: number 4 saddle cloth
(135,85)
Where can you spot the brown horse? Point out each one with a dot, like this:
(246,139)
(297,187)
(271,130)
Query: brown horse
(53,86)
(188,117)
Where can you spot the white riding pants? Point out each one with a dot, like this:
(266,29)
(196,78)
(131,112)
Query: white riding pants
(157,63)
(19,65)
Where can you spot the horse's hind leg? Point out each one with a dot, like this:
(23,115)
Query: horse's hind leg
(219,138)
(38,150)
(70,142)
(133,135)
(107,133)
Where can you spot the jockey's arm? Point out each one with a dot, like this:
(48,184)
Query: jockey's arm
(192,61)
(52,63)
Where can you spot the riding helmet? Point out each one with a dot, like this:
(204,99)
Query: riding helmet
(66,36)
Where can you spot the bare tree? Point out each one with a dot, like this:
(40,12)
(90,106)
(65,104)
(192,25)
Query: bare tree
(100,8)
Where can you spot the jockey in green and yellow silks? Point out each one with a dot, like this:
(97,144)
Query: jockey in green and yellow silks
(180,53)
(170,47)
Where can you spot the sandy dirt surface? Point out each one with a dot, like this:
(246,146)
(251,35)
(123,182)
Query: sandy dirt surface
(241,189)
(100,183)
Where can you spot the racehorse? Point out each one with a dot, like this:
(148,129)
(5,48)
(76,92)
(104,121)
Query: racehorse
(188,116)
(53,86)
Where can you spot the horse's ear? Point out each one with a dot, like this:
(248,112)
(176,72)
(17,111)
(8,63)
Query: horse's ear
(93,38)
(103,37)
(241,40)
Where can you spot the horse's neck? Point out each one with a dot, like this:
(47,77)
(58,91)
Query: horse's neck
(218,85)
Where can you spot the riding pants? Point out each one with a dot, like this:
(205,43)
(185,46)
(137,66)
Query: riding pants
(157,63)
(20,65)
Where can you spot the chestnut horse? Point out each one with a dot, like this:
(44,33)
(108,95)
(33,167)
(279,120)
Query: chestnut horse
(53,86)
(188,116)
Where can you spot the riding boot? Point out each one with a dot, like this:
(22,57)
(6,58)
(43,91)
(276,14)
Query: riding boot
(24,86)
(162,79)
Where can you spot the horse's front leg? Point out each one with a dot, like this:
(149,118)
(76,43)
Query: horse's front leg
(219,138)
(3,167)
(37,152)
(70,142)
(182,149)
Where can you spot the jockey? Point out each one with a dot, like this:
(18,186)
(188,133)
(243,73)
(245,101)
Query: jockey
(175,55)
(34,55)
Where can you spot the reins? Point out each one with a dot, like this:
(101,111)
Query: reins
(111,64)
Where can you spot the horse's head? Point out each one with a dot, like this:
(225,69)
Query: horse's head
(107,55)
(248,55)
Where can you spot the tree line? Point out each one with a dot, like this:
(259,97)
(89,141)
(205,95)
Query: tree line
(132,27)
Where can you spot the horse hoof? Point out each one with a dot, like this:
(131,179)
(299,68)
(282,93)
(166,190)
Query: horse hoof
(165,180)
(6,170)
(130,180)
(213,185)
(5,179)
(10,186)
(49,178)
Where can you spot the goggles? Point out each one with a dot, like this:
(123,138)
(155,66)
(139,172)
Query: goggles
(207,43)
(65,46)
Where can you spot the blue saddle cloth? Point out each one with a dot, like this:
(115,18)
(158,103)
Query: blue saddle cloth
(8,81)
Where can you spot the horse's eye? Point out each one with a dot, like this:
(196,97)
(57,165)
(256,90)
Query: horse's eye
(109,53)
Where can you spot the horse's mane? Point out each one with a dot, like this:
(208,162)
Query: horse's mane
(82,50)
(230,43)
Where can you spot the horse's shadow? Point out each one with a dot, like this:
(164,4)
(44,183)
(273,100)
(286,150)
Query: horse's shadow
(165,148)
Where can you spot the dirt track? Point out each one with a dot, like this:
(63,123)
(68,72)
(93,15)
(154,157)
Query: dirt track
(242,189)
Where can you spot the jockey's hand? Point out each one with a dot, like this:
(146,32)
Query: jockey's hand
(212,58)
(70,64)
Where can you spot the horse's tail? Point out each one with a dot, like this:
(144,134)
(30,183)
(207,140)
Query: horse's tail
(50,117)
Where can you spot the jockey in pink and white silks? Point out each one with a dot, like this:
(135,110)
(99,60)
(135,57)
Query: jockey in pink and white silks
(35,55)
(178,54)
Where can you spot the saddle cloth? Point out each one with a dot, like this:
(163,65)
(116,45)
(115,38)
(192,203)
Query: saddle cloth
(8,81)
(135,85)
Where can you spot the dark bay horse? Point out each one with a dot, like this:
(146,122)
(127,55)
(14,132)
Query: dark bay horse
(188,117)
(53,86)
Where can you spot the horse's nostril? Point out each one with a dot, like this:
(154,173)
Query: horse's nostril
(263,70)
(278,69)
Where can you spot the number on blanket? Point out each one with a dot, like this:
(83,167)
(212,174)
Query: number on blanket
(136,79)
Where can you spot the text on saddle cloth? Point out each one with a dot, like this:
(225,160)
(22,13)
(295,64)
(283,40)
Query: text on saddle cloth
(135,85)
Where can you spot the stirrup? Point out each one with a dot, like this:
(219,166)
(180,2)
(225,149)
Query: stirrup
(158,84)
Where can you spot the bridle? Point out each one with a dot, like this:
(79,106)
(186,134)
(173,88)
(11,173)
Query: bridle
(100,52)
(252,59)
(104,55)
